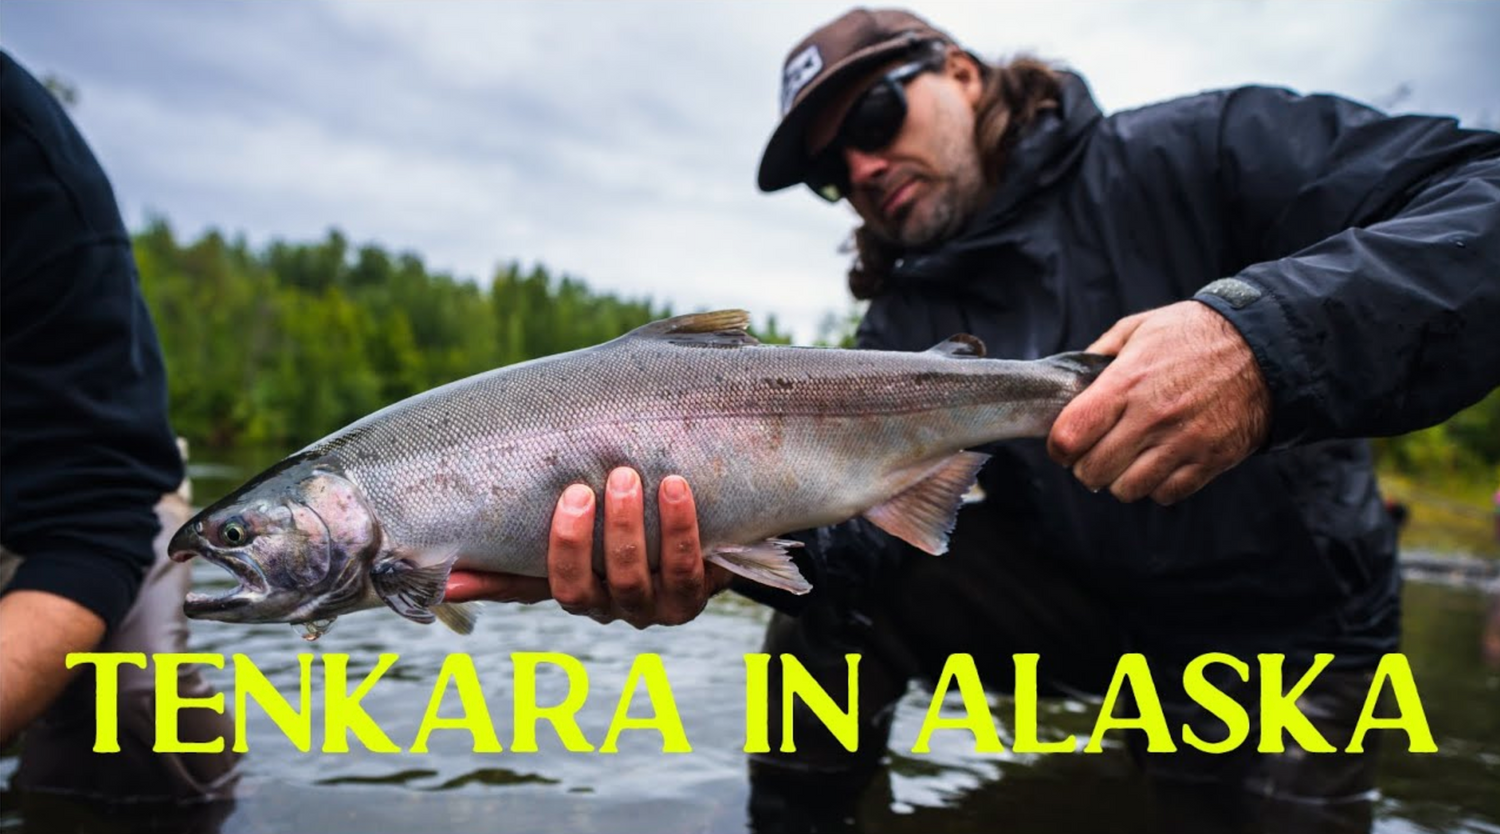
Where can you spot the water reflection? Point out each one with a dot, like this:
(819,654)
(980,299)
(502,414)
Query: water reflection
(494,776)
(400,777)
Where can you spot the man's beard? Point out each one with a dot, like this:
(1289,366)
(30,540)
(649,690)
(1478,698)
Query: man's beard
(941,214)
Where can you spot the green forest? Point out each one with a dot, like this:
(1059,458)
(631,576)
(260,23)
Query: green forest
(277,346)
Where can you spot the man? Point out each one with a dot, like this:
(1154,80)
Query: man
(88,454)
(1277,275)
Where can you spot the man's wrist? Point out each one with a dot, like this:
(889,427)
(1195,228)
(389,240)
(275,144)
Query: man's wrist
(1255,316)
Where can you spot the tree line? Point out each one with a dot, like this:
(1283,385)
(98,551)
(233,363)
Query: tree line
(280,345)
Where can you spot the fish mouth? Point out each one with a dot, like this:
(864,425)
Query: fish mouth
(251,585)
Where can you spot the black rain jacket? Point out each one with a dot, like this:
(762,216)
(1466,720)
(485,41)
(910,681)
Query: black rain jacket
(1364,258)
(86,450)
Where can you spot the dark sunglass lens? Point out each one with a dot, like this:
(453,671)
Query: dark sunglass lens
(876,117)
(828,176)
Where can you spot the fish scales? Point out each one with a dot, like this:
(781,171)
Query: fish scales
(697,412)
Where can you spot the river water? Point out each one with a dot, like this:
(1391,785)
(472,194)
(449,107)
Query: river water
(640,788)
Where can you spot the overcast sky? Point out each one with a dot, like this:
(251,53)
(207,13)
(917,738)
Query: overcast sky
(618,141)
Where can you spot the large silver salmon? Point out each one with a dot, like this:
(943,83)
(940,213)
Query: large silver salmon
(772,440)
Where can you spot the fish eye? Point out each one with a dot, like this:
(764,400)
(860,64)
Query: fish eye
(234,532)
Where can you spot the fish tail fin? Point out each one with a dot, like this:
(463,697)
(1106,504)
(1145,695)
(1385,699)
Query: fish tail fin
(924,514)
(1087,366)
(767,562)
(459,616)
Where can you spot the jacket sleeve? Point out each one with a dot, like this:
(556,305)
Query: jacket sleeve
(1373,243)
(86,445)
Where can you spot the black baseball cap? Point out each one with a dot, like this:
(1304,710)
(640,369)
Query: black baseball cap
(836,54)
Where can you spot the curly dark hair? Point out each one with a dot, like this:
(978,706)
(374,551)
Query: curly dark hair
(1014,94)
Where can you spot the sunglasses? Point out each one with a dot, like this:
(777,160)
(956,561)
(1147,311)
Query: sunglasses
(871,124)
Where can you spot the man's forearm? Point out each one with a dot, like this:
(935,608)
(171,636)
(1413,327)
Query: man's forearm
(37,632)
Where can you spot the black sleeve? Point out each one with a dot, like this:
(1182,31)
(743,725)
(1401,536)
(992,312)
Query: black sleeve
(86,450)
(1372,304)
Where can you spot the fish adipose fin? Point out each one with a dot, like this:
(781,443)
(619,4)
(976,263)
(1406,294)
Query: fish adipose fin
(960,346)
(412,584)
(719,329)
(925,513)
(766,562)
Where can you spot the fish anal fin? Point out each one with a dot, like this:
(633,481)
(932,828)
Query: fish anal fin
(412,584)
(767,562)
(924,514)
(960,346)
(720,328)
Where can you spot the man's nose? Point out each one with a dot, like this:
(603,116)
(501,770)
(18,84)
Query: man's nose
(864,166)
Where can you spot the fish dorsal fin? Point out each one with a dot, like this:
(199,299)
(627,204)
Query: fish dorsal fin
(960,346)
(925,513)
(721,328)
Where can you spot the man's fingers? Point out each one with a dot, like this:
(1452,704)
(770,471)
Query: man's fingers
(464,586)
(1085,420)
(1092,414)
(1183,483)
(682,593)
(1145,474)
(570,562)
(630,589)
(1115,338)
(1109,457)
(716,577)
(625,560)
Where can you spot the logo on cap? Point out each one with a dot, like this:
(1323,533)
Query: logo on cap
(803,68)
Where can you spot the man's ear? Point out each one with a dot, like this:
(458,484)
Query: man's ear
(965,70)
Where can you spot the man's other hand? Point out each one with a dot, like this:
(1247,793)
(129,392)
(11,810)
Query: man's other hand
(1183,402)
(673,594)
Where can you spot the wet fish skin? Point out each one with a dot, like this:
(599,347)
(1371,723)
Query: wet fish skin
(773,439)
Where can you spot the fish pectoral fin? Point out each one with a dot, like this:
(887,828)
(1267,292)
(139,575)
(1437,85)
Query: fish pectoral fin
(412,585)
(924,514)
(459,616)
(960,346)
(767,562)
(718,329)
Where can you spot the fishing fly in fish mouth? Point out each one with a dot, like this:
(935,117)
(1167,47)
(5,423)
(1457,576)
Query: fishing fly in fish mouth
(463,476)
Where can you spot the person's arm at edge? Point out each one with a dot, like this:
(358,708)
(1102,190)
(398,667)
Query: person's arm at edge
(38,630)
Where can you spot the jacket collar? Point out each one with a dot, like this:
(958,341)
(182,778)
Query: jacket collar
(1045,153)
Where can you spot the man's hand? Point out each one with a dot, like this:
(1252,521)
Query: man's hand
(37,632)
(1183,402)
(631,591)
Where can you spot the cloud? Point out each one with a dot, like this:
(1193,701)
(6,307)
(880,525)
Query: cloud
(617,141)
